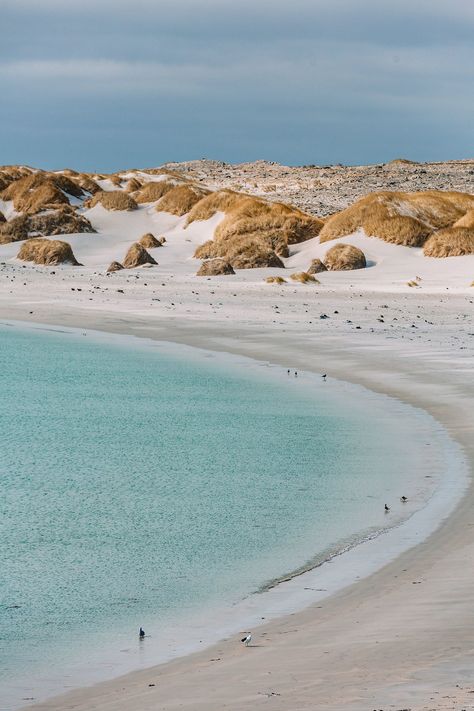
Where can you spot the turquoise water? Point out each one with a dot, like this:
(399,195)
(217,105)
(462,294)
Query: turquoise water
(142,485)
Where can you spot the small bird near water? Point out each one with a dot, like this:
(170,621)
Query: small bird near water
(247,639)
(387,508)
(403,499)
(141,634)
(324,376)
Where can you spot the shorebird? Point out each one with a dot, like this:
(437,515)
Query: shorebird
(324,376)
(141,634)
(387,508)
(403,499)
(246,640)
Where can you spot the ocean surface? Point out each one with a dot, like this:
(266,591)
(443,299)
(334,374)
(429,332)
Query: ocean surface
(149,484)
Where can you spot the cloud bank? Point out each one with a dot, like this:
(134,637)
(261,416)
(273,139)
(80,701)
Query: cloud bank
(108,83)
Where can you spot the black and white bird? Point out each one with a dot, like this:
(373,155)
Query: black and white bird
(403,499)
(247,639)
(324,376)
(387,508)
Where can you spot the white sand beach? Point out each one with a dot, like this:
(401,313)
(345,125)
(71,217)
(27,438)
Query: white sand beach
(401,638)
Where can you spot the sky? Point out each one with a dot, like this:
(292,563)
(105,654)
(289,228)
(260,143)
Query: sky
(108,84)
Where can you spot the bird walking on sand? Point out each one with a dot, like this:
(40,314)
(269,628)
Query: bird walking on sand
(141,634)
(387,508)
(324,376)
(403,499)
(247,639)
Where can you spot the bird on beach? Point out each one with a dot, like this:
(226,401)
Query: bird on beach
(387,508)
(247,639)
(141,634)
(403,499)
(324,376)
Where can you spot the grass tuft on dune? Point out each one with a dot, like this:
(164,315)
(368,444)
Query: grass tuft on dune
(113,200)
(47,251)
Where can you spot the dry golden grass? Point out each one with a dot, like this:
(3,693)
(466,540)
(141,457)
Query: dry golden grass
(466,220)
(399,218)
(304,277)
(14,230)
(275,280)
(400,229)
(316,267)
(208,250)
(151,192)
(149,241)
(47,251)
(219,201)
(87,183)
(250,215)
(451,242)
(2,217)
(137,256)
(253,233)
(115,267)
(37,192)
(116,179)
(57,222)
(412,283)
(251,254)
(60,222)
(132,185)
(113,200)
(343,257)
(215,267)
(181,199)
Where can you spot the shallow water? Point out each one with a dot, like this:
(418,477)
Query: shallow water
(143,484)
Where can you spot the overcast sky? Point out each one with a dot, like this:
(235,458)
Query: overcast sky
(105,84)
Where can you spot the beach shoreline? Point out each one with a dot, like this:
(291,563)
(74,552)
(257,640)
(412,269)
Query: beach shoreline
(368,367)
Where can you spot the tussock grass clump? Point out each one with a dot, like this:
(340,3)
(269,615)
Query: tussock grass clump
(413,283)
(343,257)
(215,267)
(316,267)
(56,222)
(37,192)
(275,280)
(149,241)
(2,217)
(304,277)
(466,220)
(132,185)
(137,256)
(181,199)
(400,229)
(219,201)
(400,218)
(208,250)
(151,192)
(251,215)
(59,222)
(48,252)
(254,233)
(115,267)
(87,184)
(251,253)
(451,242)
(15,230)
(113,200)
